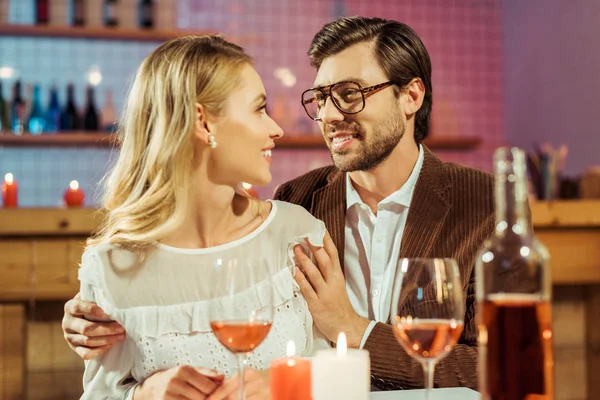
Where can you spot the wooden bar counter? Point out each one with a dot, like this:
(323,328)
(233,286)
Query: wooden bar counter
(40,250)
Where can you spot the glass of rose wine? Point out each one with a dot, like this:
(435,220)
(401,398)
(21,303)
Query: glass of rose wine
(241,307)
(427,310)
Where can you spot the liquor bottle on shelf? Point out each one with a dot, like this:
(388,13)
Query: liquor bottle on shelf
(4,113)
(514,294)
(17,110)
(53,112)
(90,118)
(77,12)
(108,116)
(69,120)
(27,107)
(146,14)
(42,12)
(110,13)
(36,120)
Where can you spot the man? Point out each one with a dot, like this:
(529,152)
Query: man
(386,197)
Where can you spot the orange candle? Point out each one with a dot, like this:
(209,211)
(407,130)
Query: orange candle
(9,191)
(290,377)
(74,196)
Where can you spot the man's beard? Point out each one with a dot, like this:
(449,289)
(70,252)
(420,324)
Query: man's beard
(375,149)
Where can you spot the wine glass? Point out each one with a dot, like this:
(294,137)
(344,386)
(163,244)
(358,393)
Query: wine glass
(241,307)
(427,310)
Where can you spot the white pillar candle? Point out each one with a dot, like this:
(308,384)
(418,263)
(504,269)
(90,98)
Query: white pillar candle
(341,373)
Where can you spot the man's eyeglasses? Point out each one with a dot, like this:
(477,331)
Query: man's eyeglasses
(348,97)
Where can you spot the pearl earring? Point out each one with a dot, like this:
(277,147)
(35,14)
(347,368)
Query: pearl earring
(212,142)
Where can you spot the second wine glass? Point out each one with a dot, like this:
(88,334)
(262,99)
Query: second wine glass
(241,311)
(427,310)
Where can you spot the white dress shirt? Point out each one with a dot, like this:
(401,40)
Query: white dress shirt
(372,248)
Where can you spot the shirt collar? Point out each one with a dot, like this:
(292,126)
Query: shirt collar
(402,196)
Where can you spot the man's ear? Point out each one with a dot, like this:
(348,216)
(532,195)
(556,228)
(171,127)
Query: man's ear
(414,93)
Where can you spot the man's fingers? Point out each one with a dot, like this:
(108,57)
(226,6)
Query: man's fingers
(78,340)
(332,251)
(311,272)
(89,354)
(93,329)
(324,261)
(307,290)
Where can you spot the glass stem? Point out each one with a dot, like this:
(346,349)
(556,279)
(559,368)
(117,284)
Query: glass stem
(241,357)
(428,368)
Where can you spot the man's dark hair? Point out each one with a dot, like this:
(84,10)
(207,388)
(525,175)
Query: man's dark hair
(398,50)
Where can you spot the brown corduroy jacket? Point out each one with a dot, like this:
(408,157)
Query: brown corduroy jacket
(451,215)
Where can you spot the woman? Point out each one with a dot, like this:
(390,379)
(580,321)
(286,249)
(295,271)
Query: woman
(195,126)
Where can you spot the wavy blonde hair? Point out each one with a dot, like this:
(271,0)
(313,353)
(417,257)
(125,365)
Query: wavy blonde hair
(147,193)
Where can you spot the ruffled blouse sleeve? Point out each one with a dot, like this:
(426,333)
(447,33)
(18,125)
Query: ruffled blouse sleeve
(108,376)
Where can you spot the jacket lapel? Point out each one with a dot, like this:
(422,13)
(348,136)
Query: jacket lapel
(426,215)
(329,205)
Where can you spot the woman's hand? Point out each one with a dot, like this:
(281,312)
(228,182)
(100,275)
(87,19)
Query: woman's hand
(179,383)
(256,386)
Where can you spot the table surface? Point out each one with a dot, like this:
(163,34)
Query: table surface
(436,394)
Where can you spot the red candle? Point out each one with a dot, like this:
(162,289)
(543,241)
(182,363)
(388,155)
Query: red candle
(74,196)
(9,191)
(290,377)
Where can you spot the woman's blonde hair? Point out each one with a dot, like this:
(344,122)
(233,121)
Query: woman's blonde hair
(147,193)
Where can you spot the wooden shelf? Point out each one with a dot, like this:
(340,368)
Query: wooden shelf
(90,32)
(289,141)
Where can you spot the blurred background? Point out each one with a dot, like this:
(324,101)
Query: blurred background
(517,72)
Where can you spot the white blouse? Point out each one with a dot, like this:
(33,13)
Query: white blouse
(162,300)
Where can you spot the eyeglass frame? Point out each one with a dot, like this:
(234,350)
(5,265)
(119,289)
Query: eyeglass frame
(367,89)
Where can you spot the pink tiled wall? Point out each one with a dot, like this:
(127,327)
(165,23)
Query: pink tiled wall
(464,38)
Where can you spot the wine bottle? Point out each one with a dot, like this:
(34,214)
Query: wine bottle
(146,13)
(110,13)
(77,12)
(69,120)
(4,113)
(90,119)
(109,114)
(17,110)
(36,120)
(514,294)
(53,113)
(42,12)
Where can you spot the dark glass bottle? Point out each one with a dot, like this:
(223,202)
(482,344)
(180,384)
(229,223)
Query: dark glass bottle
(42,12)
(77,12)
(17,110)
(36,117)
(53,113)
(110,13)
(146,14)
(69,120)
(4,113)
(90,119)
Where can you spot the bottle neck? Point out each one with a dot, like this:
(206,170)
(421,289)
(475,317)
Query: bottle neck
(511,193)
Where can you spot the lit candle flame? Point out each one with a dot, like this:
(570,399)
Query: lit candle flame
(342,346)
(291,349)
(8,178)
(74,185)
